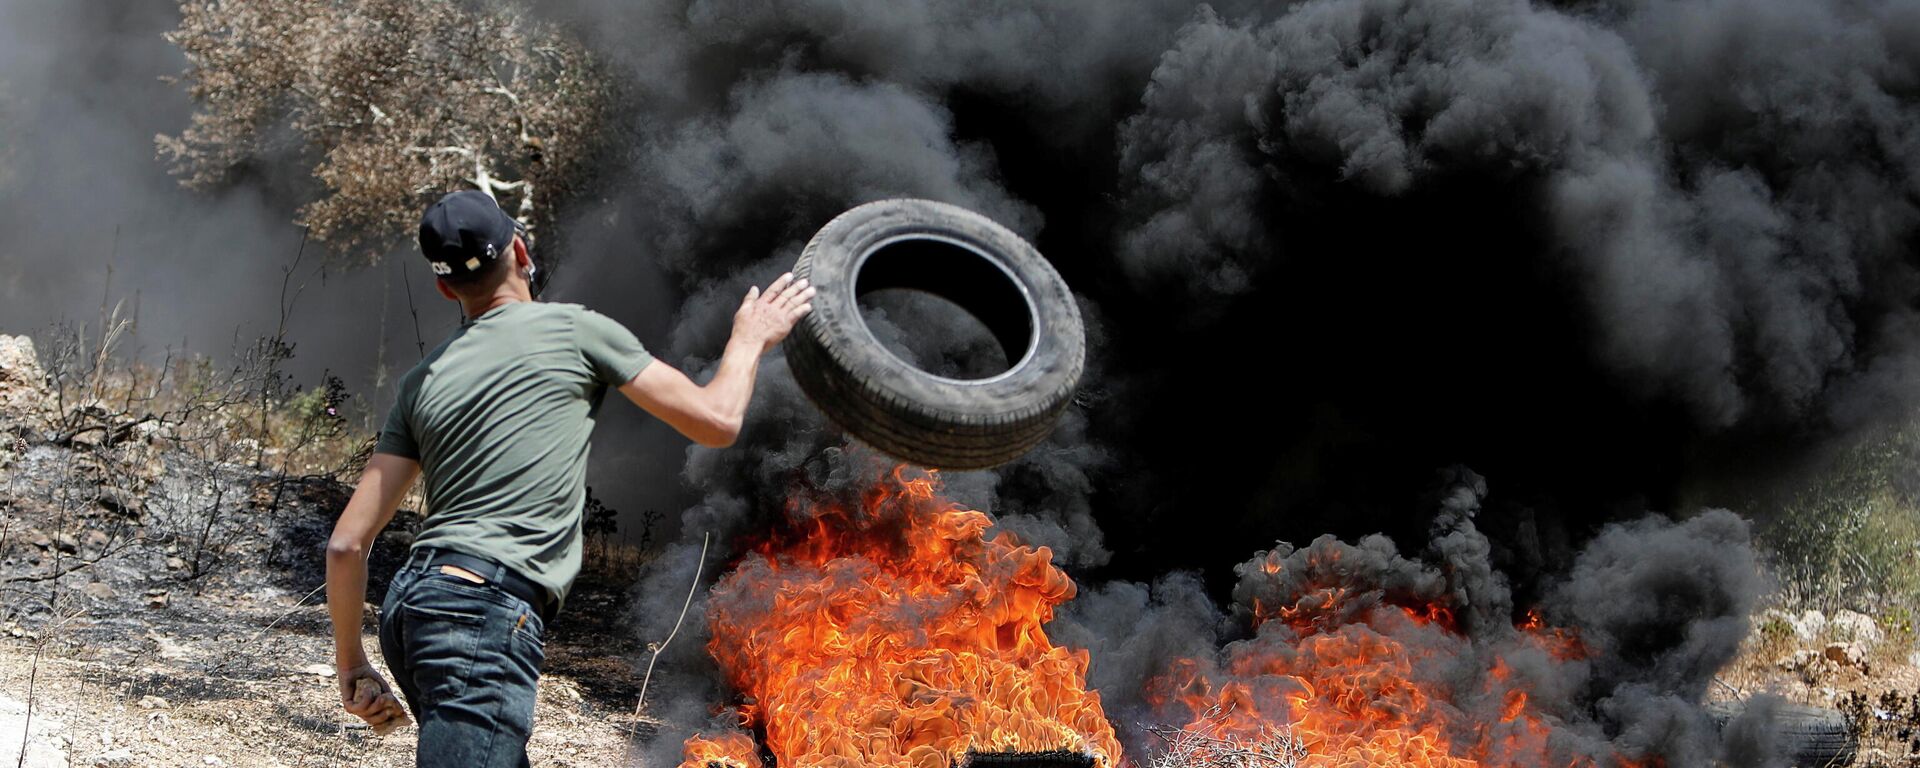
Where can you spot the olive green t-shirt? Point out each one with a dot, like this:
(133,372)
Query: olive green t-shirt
(498,416)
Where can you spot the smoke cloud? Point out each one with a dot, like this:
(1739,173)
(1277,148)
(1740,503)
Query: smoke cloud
(95,222)
(1594,249)
(1585,248)
(1652,609)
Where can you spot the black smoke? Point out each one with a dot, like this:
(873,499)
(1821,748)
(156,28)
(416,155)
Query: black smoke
(1598,250)
(1655,607)
(1595,251)
(95,222)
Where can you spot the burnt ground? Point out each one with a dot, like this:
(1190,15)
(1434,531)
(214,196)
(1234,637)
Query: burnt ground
(160,610)
(159,605)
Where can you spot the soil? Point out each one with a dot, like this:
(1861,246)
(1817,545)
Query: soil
(172,639)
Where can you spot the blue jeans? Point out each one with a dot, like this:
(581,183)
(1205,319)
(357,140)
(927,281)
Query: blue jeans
(468,658)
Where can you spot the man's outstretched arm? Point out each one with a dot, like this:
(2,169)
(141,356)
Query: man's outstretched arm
(382,485)
(711,415)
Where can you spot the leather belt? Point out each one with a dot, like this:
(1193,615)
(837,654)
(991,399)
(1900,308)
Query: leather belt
(509,580)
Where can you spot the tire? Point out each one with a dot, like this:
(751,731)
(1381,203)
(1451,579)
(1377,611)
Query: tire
(965,258)
(1054,759)
(1812,737)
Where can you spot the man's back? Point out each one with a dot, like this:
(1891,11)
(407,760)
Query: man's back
(499,417)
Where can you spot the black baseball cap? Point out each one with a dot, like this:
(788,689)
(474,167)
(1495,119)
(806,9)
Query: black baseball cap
(463,232)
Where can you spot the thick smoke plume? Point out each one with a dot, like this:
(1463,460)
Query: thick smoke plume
(1586,249)
(1617,659)
(93,220)
(1595,249)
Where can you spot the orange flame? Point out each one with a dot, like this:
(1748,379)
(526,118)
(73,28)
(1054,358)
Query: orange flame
(892,632)
(727,750)
(1343,687)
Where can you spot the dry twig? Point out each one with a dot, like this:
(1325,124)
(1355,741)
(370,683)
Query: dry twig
(692,589)
(1202,745)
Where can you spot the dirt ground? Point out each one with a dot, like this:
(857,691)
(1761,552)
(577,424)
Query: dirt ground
(142,630)
(1811,657)
(159,606)
(247,680)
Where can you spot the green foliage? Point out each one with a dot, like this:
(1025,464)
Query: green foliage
(1849,536)
(1776,630)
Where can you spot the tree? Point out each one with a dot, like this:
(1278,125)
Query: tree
(401,101)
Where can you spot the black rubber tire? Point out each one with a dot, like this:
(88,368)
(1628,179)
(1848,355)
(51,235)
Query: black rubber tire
(1054,759)
(965,258)
(1813,737)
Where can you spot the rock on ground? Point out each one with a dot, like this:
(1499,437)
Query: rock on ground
(1856,628)
(44,746)
(23,383)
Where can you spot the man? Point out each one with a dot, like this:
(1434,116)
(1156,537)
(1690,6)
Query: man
(498,417)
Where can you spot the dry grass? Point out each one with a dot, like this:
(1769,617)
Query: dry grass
(1841,532)
(183,599)
(1202,745)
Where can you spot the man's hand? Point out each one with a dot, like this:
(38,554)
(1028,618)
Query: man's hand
(366,696)
(712,414)
(374,500)
(766,318)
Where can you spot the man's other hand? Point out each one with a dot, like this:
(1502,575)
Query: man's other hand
(373,703)
(767,317)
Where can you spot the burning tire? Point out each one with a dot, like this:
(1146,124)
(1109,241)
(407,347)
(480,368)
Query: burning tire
(1815,737)
(969,260)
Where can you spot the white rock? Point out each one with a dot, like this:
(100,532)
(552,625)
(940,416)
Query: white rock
(119,758)
(23,383)
(154,702)
(1856,628)
(40,735)
(1809,626)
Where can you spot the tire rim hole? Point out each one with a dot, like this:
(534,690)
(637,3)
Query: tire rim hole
(944,308)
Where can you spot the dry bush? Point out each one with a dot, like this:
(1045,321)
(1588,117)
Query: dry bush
(1888,726)
(609,558)
(1202,744)
(180,446)
(398,101)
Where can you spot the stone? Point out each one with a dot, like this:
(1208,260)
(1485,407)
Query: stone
(1854,627)
(98,590)
(156,598)
(34,742)
(1809,626)
(67,543)
(149,431)
(118,758)
(1846,654)
(154,702)
(1798,660)
(92,438)
(176,564)
(96,541)
(23,383)
(120,501)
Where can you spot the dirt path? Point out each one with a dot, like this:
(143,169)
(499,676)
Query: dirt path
(225,688)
